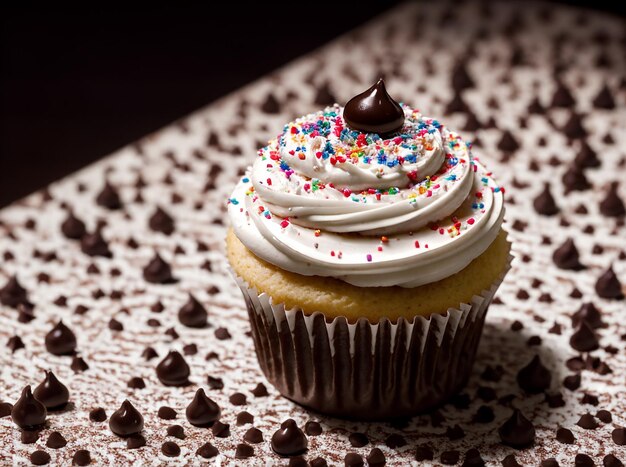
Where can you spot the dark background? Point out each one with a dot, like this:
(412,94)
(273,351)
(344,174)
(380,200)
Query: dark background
(75,87)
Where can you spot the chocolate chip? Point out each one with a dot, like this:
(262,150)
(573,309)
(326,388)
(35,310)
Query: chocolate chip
(56,440)
(583,460)
(170,449)
(13,294)
(192,314)
(544,204)
(517,432)
(473,459)
(5,409)
(135,441)
(565,436)
(271,104)
(572,382)
(312,428)
(173,370)
(253,435)
(584,338)
(549,462)
(244,418)
(39,457)
(289,440)
(589,399)
(450,457)
(60,340)
(604,99)
(555,400)
(566,256)
(424,453)
(29,437)
(97,415)
(619,436)
(244,451)
(586,157)
(352,459)
(588,313)
(574,179)
(108,197)
(609,286)
(508,142)
(115,325)
(126,420)
(562,96)
(171,332)
(215,382)
(535,107)
(358,440)
(612,205)
(15,343)
(574,128)
(51,392)
(202,411)
(157,271)
(534,377)
(611,461)
(72,227)
(238,399)
(455,432)
(222,334)
(484,414)
(207,451)
(604,416)
(461,79)
(587,421)
(28,413)
(260,390)
(220,430)
(149,353)
(161,221)
(376,458)
(176,431)
(94,244)
(456,104)
(82,457)
(510,461)
(324,96)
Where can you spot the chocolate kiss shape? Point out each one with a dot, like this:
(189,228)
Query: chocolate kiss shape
(289,440)
(61,340)
(126,420)
(192,314)
(28,413)
(52,393)
(13,294)
(158,271)
(589,313)
(72,227)
(517,432)
(609,286)
(202,411)
(566,256)
(534,377)
(161,221)
(374,111)
(173,370)
(584,338)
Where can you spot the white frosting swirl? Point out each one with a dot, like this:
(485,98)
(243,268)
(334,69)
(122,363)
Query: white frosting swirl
(325,200)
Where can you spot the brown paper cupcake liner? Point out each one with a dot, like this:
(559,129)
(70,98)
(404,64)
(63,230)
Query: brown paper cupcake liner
(362,370)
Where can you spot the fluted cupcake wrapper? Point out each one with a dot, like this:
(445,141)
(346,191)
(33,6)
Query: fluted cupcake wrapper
(362,370)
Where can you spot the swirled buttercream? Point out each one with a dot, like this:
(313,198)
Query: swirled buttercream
(322,199)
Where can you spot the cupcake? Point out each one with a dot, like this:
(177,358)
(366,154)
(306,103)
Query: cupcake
(367,241)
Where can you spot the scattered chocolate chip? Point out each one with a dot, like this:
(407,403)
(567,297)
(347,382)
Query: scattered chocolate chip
(136,383)
(82,457)
(609,286)
(52,393)
(207,451)
(39,457)
(126,420)
(108,197)
(97,415)
(574,179)
(215,382)
(572,382)
(352,459)
(5,409)
(222,334)
(574,128)
(455,432)
(611,461)
(565,436)
(238,399)
(589,399)
(161,221)
(604,416)
(28,413)
(324,96)
(357,440)
(271,104)
(94,244)
(376,458)
(534,377)
(461,79)
(450,457)
(289,440)
(192,314)
(13,294)
(587,421)
(619,436)
(15,343)
(244,418)
(202,411)
(176,431)
(508,142)
(484,414)
(115,325)
(510,461)
(562,96)
(612,205)
(78,365)
(56,440)
(584,338)
(72,227)
(60,340)
(29,437)
(544,204)
(456,104)
(259,391)
(566,256)
(424,453)
(517,432)
(395,441)
(173,370)
(604,99)
(170,449)
(549,462)
(157,271)
(586,157)
(171,332)
(588,313)
(253,435)
(473,459)
(135,441)
(244,451)
(220,430)
(583,460)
